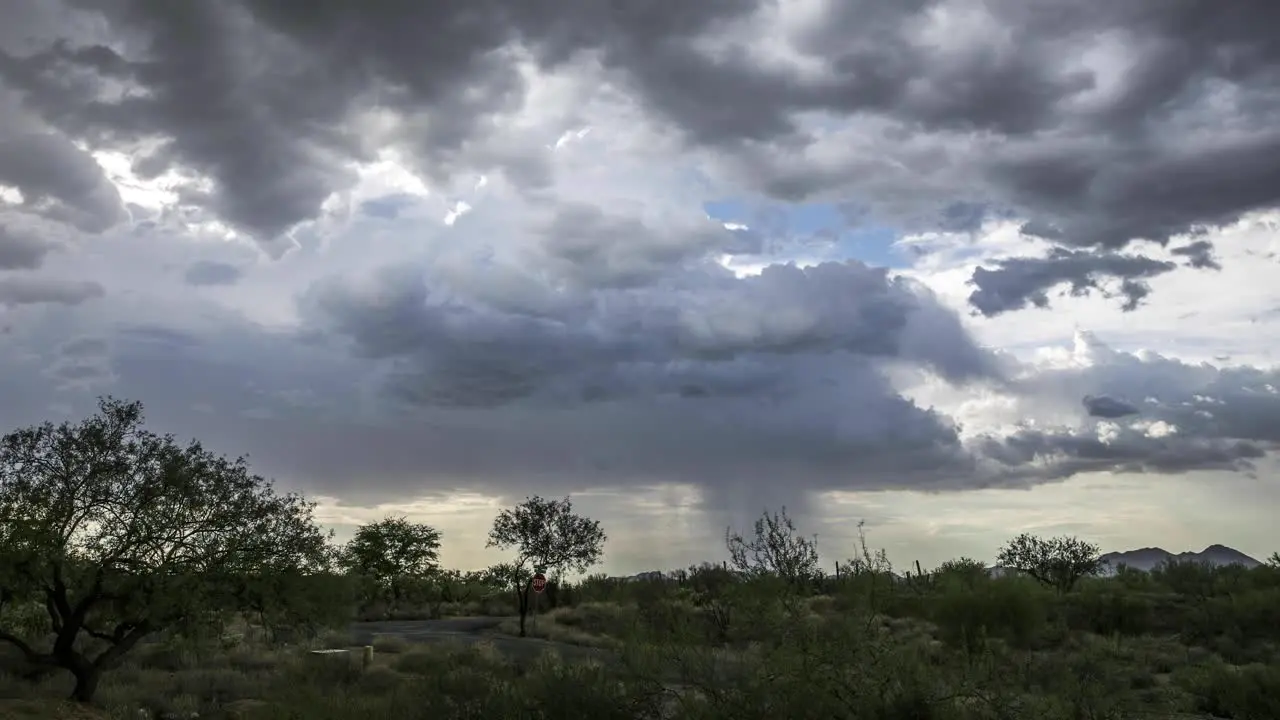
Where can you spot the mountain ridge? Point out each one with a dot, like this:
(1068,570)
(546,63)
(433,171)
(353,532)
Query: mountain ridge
(1149,558)
(1145,559)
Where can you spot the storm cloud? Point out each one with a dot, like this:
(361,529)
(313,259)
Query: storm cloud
(1163,124)
(1108,407)
(211,272)
(1019,282)
(404,247)
(29,290)
(21,249)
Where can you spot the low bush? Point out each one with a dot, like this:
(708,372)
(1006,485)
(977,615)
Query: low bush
(1250,692)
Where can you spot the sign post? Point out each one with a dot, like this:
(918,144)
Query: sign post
(539,584)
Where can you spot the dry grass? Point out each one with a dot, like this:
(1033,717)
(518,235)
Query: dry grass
(562,625)
(390,645)
(48,710)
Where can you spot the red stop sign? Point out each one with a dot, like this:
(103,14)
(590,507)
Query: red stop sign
(539,582)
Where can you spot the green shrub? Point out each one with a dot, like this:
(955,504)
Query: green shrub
(1251,692)
(1108,608)
(964,572)
(1011,609)
(600,618)
(584,690)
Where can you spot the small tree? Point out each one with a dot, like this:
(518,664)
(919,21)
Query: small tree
(1059,562)
(775,550)
(962,571)
(548,537)
(120,533)
(392,550)
(454,586)
(868,574)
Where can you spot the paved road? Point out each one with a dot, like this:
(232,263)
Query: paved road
(469,630)
(424,630)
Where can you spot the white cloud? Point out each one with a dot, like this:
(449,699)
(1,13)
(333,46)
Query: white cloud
(1227,316)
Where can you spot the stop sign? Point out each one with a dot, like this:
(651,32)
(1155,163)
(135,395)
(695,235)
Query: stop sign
(539,582)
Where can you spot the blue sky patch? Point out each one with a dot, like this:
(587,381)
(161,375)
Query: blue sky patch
(811,230)
(387,207)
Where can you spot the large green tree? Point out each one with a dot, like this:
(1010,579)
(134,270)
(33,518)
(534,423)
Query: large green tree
(120,533)
(1059,562)
(392,551)
(547,537)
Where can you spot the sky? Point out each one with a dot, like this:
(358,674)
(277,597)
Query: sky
(958,268)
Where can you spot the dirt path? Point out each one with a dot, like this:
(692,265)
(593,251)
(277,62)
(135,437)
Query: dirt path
(471,630)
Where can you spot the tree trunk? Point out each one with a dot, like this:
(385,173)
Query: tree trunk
(523,594)
(87,676)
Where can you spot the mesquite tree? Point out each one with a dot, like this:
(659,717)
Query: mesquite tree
(1058,563)
(120,533)
(776,549)
(548,537)
(391,551)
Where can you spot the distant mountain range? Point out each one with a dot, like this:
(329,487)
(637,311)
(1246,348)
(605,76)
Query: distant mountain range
(1147,559)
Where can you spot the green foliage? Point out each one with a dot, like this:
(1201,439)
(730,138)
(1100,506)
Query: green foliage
(315,601)
(977,649)
(962,572)
(1133,579)
(1108,608)
(1187,577)
(548,537)
(392,553)
(1007,608)
(1251,692)
(120,533)
(1252,615)
(1059,563)
(775,549)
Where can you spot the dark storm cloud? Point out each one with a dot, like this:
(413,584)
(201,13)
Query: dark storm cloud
(81,363)
(21,249)
(1018,282)
(1219,415)
(59,181)
(1199,254)
(290,407)
(31,290)
(962,217)
(1063,454)
(83,347)
(596,248)
(1170,126)
(741,413)
(210,272)
(614,353)
(296,409)
(454,351)
(220,97)
(1108,407)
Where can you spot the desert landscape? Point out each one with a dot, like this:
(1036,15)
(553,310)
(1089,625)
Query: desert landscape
(199,592)
(508,359)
